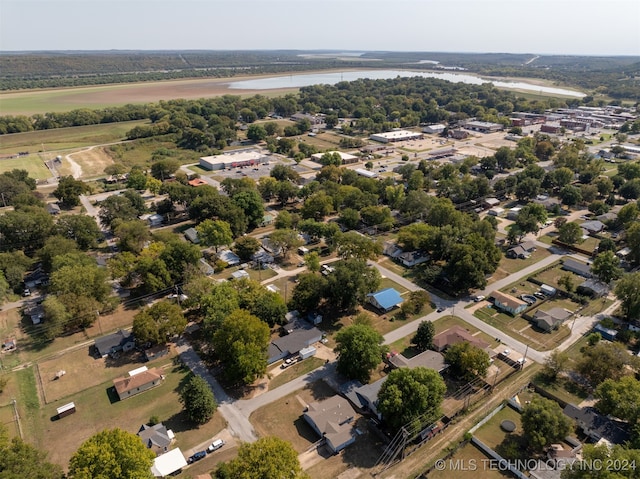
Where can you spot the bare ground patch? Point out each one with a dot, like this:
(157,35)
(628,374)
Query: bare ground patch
(92,161)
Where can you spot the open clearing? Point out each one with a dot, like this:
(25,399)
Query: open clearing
(30,102)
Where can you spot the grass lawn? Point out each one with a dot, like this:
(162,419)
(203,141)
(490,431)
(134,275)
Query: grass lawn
(64,138)
(515,265)
(32,163)
(96,410)
(467,455)
(283,418)
(286,286)
(562,388)
(492,434)
(298,369)
(551,276)
(84,371)
(388,283)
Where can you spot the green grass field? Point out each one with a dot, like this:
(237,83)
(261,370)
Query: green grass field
(32,163)
(66,138)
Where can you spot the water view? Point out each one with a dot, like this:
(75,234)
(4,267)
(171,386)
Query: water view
(297,81)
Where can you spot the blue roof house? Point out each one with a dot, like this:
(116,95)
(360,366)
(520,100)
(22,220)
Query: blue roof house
(385,300)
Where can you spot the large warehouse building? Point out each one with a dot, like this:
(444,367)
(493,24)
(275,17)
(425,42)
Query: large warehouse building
(249,157)
(398,135)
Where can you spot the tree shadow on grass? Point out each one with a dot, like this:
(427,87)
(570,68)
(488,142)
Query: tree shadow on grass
(180,423)
(319,389)
(367,448)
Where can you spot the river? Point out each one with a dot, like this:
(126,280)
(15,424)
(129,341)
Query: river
(297,81)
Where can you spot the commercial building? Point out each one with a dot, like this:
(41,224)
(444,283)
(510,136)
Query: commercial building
(394,136)
(347,159)
(237,159)
(483,126)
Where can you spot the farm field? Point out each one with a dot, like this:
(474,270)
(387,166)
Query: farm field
(30,102)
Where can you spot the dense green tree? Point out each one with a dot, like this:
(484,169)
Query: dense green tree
(423,339)
(259,301)
(25,229)
(82,279)
(570,233)
(606,267)
(628,214)
(620,399)
(349,218)
(530,217)
(55,246)
(132,235)
(349,283)
(285,240)
(220,302)
(250,203)
(632,236)
(256,133)
(544,423)
(112,453)
(157,324)
(411,397)
(215,233)
(180,257)
(317,206)
(355,245)
(198,400)
(241,345)
(628,291)
(267,458)
(308,292)
(527,189)
(117,207)
(21,460)
(80,228)
(570,195)
(603,361)
(137,179)
(555,364)
(163,169)
(360,351)
(467,361)
(312,261)
(246,246)
(69,190)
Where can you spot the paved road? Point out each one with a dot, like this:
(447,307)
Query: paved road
(237,422)
(247,406)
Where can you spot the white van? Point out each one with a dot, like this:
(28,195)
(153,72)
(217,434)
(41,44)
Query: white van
(215,445)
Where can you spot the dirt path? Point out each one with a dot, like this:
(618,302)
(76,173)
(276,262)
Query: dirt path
(76,169)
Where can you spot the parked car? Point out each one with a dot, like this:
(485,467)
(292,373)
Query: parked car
(197,456)
(215,445)
(26,292)
(440,309)
(540,295)
(477,299)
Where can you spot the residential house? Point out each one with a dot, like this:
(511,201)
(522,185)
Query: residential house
(192,235)
(594,288)
(522,251)
(153,220)
(332,419)
(490,202)
(385,300)
(593,227)
(114,343)
(426,359)
(205,267)
(156,437)
(364,397)
(552,319)
(168,463)
(156,352)
(137,381)
(581,269)
(300,336)
(607,333)
(240,274)
(270,247)
(53,209)
(548,202)
(455,335)
(412,258)
(607,217)
(229,257)
(596,426)
(197,182)
(508,303)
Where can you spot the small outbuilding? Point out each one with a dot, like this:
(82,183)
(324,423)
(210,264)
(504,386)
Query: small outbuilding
(66,410)
(240,274)
(192,235)
(168,463)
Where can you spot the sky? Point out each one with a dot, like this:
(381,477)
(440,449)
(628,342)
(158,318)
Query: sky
(574,27)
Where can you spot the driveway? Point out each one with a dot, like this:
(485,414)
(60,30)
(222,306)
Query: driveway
(237,422)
